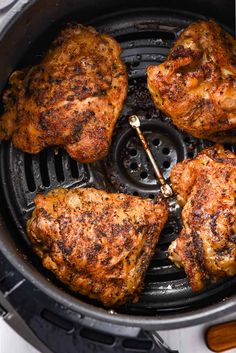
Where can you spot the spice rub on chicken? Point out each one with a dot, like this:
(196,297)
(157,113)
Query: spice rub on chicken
(196,85)
(206,186)
(98,244)
(71,99)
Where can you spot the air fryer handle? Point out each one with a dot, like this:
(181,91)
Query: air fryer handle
(159,342)
(221,337)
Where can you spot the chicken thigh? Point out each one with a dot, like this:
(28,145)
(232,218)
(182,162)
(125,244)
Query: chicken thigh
(206,186)
(196,85)
(71,99)
(98,244)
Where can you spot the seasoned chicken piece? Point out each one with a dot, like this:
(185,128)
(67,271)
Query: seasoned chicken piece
(98,244)
(206,246)
(72,98)
(196,85)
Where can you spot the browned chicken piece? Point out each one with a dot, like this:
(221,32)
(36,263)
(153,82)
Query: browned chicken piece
(72,98)
(206,246)
(196,85)
(98,244)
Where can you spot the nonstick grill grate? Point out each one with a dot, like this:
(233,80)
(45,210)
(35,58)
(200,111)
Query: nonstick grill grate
(146,38)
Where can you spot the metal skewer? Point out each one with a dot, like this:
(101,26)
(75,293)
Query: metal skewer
(165,188)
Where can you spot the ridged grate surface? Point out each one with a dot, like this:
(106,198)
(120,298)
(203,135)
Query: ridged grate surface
(146,38)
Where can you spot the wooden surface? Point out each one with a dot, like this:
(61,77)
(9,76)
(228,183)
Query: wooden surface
(221,337)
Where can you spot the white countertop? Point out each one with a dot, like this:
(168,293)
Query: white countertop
(187,340)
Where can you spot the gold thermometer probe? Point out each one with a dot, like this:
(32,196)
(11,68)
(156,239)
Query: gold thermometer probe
(165,188)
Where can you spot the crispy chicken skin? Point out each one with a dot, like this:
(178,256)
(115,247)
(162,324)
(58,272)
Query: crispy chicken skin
(206,246)
(196,85)
(72,98)
(98,244)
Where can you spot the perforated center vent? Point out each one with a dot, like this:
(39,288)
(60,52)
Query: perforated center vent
(145,38)
(128,166)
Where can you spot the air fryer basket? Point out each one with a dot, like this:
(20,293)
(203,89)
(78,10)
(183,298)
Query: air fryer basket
(146,36)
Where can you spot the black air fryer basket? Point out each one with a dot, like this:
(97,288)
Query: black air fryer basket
(146,35)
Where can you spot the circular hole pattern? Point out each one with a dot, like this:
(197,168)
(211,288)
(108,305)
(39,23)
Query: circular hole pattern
(135,193)
(133,166)
(166,164)
(143,175)
(133,152)
(166,150)
(132,142)
(156,142)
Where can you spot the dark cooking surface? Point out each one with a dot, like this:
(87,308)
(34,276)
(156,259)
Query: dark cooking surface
(60,329)
(146,38)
